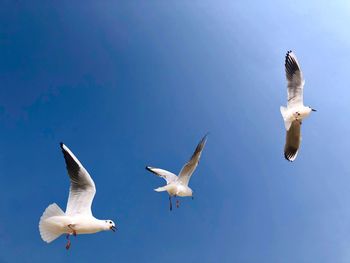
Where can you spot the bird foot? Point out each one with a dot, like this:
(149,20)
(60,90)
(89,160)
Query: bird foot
(170,204)
(177,203)
(68,242)
(74,232)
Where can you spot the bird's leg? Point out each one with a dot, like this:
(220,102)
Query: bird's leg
(171,205)
(177,201)
(73,231)
(68,241)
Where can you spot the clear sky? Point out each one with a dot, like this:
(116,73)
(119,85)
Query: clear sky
(127,84)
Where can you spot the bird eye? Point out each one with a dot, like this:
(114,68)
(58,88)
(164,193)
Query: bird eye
(110,222)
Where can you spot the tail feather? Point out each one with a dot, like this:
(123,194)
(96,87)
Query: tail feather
(48,232)
(287,122)
(160,189)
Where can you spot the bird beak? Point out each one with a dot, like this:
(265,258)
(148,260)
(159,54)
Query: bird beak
(313,110)
(113,228)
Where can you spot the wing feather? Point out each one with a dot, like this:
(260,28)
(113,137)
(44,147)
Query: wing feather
(295,80)
(166,175)
(293,140)
(188,169)
(82,187)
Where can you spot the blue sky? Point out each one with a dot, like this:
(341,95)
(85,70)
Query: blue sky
(127,84)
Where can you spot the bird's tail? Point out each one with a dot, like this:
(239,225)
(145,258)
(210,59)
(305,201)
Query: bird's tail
(287,122)
(161,189)
(48,231)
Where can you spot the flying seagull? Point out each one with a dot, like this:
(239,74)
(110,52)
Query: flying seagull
(295,111)
(178,185)
(78,218)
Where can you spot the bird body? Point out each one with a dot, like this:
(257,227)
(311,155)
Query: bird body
(80,224)
(294,113)
(176,189)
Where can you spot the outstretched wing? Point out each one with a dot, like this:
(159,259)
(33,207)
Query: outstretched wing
(293,139)
(295,80)
(82,187)
(190,166)
(168,176)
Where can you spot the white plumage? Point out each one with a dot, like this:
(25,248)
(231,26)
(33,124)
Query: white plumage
(295,111)
(78,218)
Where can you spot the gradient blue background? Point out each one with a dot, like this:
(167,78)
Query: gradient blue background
(132,83)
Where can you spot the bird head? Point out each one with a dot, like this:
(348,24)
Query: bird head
(190,192)
(109,225)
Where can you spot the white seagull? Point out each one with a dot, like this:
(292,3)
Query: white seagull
(295,111)
(178,185)
(78,218)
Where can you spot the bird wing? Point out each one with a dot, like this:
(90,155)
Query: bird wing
(188,169)
(82,187)
(293,139)
(295,80)
(168,176)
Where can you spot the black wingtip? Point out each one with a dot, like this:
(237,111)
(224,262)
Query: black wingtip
(289,160)
(149,168)
(287,54)
(205,138)
(61,145)
(290,157)
(291,65)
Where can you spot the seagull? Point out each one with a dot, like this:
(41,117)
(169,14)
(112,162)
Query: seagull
(78,218)
(295,111)
(178,185)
